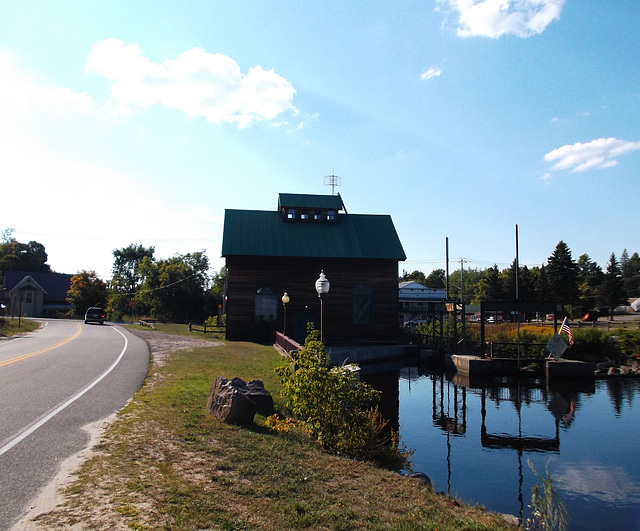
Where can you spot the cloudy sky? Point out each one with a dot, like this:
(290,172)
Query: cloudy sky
(140,122)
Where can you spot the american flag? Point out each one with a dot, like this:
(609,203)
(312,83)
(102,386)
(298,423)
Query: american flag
(565,328)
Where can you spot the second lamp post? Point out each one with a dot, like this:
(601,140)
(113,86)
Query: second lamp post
(322,287)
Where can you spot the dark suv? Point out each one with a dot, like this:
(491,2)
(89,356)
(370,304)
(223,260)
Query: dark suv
(94,315)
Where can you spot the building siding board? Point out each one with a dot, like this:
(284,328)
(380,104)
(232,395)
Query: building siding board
(297,277)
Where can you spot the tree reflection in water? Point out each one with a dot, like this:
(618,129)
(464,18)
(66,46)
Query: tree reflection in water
(475,424)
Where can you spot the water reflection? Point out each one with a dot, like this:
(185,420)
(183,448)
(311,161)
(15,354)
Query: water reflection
(473,438)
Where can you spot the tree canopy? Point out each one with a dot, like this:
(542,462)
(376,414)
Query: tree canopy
(612,291)
(16,256)
(86,290)
(560,280)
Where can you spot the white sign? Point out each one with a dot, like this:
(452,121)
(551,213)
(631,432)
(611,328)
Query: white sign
(556,346)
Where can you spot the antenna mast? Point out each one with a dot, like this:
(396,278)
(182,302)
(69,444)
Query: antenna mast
(333,181)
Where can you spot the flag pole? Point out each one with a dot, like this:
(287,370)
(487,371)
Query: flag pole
(517,295)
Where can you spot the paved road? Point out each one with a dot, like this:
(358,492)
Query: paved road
(52,382)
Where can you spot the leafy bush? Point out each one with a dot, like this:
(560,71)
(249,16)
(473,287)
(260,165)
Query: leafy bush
(592,344)
(335,408)
(629,343)
(213,320)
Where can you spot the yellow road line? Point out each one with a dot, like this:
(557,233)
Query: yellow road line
(31,354)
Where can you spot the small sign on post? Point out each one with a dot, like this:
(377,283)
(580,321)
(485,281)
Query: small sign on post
(556,346)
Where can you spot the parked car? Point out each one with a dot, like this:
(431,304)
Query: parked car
(94,315)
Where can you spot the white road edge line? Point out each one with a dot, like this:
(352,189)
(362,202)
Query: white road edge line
(22,436)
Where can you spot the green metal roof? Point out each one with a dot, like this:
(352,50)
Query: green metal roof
(310,201)
(266,233)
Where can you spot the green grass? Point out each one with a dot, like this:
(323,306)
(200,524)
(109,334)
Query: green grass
(165,463)
(12,327)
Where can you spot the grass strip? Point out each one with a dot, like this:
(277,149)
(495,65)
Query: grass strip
(166,464)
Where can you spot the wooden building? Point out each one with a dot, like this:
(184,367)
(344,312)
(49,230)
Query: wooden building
(269,253)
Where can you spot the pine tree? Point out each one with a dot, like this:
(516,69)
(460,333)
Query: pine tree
(562,275)
(612,292)
(630,269)
(542,286)
(590,277)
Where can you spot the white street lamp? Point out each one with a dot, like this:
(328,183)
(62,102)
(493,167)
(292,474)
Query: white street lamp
(322,287)
(285,301)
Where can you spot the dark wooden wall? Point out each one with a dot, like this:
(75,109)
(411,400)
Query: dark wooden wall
(297,276)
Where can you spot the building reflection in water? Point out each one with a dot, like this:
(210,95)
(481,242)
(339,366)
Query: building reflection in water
(449,410)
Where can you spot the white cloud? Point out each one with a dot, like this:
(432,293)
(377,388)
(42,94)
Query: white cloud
(610,484)
(196,82)
(600,153)
(493,18)
(431,73)
(22,96)
(80,210)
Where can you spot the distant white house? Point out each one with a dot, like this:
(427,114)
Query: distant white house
(418,302)
(35,294)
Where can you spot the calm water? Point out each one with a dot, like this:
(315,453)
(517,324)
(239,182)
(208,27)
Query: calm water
(474,438)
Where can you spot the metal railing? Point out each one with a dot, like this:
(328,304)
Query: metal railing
(494,349)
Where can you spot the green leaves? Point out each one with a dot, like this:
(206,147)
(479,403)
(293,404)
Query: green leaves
(334,407)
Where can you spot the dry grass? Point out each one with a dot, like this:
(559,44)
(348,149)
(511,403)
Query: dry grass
(166,464)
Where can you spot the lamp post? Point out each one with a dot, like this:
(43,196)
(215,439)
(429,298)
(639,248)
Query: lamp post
(285,301)
(322,287)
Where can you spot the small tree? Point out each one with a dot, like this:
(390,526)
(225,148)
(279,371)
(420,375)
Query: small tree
(87,289)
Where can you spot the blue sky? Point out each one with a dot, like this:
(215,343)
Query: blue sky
(140,122)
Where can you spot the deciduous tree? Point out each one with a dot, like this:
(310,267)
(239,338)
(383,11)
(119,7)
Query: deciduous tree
(126,278)
(174,288)
(415,276)
(16,256)
(435,279)
(87,289)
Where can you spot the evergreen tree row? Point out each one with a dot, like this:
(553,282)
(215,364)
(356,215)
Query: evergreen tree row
(562,280)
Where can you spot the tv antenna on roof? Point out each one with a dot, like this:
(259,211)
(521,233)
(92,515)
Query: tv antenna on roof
(333,181)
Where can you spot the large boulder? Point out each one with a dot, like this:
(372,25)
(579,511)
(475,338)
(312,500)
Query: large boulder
(236,402)
(260,397)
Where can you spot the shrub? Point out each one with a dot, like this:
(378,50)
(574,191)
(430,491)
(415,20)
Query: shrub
(629,343)
(335,408)
(592,344)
